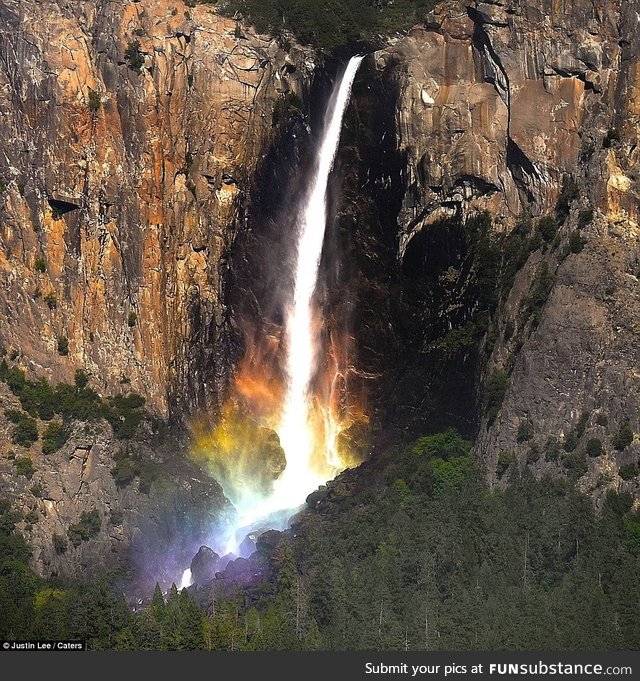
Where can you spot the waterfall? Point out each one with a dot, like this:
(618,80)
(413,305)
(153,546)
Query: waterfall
(310,452)
(297,436)
(294,430)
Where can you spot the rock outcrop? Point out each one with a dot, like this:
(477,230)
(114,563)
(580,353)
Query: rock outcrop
(204,565)
(501,104)
(130,135)
(98,503)
(498,100)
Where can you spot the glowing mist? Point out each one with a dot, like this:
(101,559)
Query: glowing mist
(296,432)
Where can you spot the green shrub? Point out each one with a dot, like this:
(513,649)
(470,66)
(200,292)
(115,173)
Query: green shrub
(63,346)
(93,101)
(581,426)
(116,517)
(83,404)
(534,301)
(624,437)
(14,415)
(14,377)
(449,475)
(25,432)
(51,300)
(54,437)
(41,265)
(629,471)
(132,319)
(594,447)
(59,544)
(31,518)
(576,241)
(134,57)
(576,465)
(24,466)
(86,528)
(551,450)
(38,399)
(618,503)
(568,194)
(525,431)
(570,442)
(442,445)
(632,533)
(36,490)
(496,390)
(123,412)
(81,379)
(125,470)
(130,466)
(547,228)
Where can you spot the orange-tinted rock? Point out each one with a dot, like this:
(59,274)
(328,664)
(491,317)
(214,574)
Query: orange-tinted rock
(149,216)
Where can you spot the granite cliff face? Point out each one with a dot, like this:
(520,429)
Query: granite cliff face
(130,134)
(139,150)
(499,106)
(498,99)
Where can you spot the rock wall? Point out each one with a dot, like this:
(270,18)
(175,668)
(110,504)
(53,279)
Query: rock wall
(498,99)
(498,103)
(130,135)
(152,516)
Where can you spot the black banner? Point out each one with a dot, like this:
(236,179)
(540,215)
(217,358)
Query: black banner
(331,666)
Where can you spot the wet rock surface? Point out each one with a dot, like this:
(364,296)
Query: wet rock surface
(204,565)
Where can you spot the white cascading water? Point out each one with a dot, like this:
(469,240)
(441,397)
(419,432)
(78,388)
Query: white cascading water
(187,579)
(299,479)
(296,436)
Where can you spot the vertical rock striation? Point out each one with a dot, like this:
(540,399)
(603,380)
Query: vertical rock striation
(130,135)
(500,104)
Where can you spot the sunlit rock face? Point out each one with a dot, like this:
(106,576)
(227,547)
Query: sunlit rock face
(130,134)
(497,99)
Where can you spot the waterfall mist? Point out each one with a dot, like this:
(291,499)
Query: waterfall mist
(279,379)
